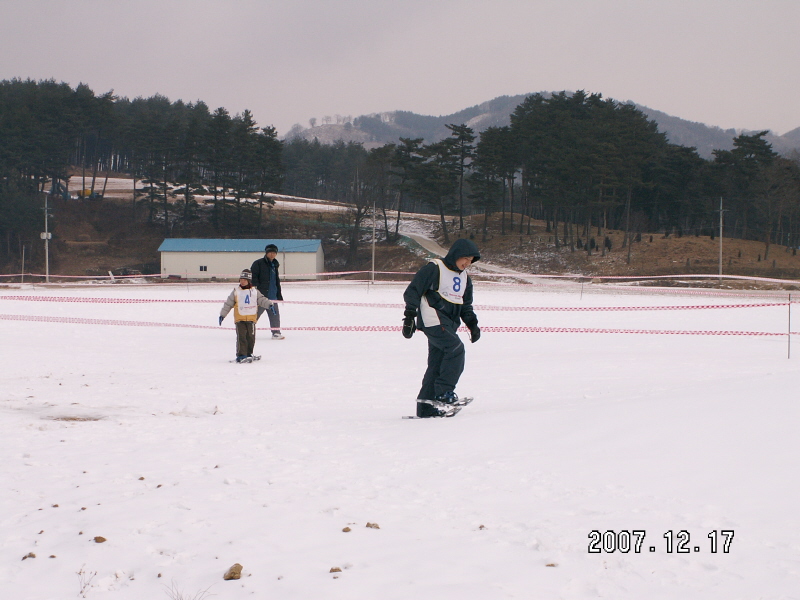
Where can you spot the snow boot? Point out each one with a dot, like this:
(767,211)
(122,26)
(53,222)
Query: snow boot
(427,409)
(448,398)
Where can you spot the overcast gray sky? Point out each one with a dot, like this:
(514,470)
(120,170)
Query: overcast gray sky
(731,63)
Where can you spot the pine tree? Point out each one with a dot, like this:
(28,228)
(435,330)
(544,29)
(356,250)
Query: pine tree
(463,148)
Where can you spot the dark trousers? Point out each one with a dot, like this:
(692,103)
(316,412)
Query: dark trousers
(274,317)
(245,337)
(445,362)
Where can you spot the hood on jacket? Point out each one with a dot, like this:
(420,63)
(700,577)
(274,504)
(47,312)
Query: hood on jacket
(461,248)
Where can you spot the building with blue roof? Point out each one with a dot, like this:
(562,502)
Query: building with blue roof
(197,258)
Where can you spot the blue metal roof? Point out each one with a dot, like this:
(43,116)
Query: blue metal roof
(222,245)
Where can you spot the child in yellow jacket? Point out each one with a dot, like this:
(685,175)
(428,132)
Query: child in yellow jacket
(244,300)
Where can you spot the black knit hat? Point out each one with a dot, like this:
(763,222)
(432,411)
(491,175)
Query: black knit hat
(246,274)
(270,248)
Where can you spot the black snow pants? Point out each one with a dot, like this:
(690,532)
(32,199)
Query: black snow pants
(445,361)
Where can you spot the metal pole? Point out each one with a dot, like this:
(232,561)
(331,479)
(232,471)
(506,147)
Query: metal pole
(22,275)
(720,239)
(373,240)
(46,243)
(628,225)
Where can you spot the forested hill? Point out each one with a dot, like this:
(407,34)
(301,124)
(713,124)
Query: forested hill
(381,128)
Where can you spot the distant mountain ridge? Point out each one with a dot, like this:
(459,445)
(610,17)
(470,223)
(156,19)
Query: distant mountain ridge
(377,129)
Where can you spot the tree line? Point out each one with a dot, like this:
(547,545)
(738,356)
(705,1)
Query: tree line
(580,162)
(174,151)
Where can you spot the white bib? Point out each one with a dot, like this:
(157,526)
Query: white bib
(451,283)
(246,301)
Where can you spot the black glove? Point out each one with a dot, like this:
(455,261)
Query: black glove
(474,332)
(221,319)
(409,323)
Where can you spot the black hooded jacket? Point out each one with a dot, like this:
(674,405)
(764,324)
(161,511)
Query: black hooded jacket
(426,282)
(261,270)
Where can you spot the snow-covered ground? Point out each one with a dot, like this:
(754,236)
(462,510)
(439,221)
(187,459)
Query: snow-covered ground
(186,464)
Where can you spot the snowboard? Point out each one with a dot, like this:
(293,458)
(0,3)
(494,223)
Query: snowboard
(452,409)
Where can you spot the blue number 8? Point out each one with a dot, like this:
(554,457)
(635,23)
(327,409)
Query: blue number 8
(456,284)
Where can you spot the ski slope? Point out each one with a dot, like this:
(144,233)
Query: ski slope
(187,464)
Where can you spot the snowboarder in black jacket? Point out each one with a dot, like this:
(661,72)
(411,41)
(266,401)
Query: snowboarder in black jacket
(267,279)
(437,300)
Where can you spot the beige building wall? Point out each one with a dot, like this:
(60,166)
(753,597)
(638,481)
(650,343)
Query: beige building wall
(228,265)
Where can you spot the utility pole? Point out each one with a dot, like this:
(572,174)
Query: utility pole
(628,224)
(373,240)
(46,237)
(720,238)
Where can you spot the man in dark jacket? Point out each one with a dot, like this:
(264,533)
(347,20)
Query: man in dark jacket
(267,280)
(437,300)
